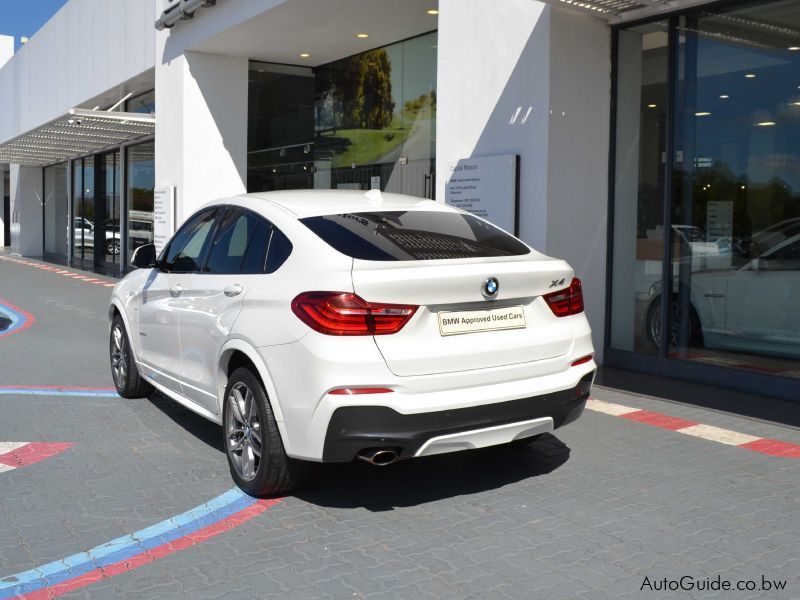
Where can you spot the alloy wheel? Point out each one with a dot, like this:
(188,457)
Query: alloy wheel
(243,431)
(119,357)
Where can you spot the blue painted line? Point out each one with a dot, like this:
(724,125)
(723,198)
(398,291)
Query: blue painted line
(50,392)
(127,546)
(17,318)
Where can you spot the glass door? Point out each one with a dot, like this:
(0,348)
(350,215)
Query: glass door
(83,213)
(107,235)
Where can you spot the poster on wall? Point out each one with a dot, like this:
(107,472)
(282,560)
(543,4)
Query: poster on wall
(163,216)
(486,186)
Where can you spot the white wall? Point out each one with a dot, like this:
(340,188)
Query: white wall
(578,153)
(201,130)
(26,208)
(524,77)
(493,59)
(85,49)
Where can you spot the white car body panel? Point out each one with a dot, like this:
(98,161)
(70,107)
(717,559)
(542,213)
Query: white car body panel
(183,343)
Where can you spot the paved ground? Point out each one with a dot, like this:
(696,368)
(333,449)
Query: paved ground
(586,513)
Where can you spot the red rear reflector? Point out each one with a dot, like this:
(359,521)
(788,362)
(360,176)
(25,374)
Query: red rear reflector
(342,313)
(566,302)
(582,359)
(363,390)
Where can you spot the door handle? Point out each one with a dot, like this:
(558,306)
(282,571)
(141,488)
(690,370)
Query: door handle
(233,290)
(176,290)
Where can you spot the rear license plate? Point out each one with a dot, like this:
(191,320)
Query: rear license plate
(472,321)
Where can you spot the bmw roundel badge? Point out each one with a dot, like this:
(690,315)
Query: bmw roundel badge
(490,288)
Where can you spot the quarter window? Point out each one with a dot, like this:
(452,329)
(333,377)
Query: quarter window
(240,245)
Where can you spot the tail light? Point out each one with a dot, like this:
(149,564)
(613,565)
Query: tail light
(341,313)
(568,301)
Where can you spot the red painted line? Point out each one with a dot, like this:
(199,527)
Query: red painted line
(149,556)
(32,453)
(29,319)
(66,388)
(774,448)
(658,420)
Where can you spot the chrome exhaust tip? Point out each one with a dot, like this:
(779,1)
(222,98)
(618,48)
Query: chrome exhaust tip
(380,457)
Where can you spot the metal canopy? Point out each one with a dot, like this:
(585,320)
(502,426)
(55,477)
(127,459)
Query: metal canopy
(615,8)
(77,133)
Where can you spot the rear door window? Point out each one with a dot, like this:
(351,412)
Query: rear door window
(413,235)
(240,244)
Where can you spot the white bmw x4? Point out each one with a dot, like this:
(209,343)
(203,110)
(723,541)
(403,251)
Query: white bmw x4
(335,325)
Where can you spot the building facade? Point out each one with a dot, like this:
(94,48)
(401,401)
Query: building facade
(654,145)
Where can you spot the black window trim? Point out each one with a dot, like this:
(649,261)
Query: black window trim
(217,222)
(163,256)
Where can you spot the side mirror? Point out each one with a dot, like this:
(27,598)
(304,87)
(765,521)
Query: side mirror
(144,257)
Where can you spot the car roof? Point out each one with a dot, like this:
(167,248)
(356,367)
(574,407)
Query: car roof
(309,203)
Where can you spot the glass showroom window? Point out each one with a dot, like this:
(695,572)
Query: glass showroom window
(140,183)
(365,121)
(638,246)
(731,188)
(143,103)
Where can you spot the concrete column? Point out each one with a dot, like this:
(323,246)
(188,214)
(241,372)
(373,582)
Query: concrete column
(26,210)
(578,154)
(201,126)
(543,92)
(479,92)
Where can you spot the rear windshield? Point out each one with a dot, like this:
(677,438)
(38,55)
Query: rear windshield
(413,235)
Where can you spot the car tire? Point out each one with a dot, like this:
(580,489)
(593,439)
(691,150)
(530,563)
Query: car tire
(256,456)
(112,247)
(653,323)
(124,372)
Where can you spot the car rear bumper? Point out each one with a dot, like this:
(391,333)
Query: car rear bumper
(353,429)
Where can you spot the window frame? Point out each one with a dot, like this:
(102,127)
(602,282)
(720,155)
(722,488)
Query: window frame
(203,252)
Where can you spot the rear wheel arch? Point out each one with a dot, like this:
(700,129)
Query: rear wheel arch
(237,353)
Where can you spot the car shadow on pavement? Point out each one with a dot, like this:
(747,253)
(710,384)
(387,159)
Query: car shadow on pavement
(406,482)
(200,427)
(422,480)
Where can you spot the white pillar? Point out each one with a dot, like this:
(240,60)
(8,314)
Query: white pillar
(578,152)
(524,77)
(493,60)
(6,48)
(201,127)
(26,210)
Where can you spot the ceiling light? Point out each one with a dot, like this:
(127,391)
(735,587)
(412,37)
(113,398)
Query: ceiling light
(724,97)
(435,11)
(304,55)
(652,106)
(765,123)
(793,48)
(702,114)
(795,103)
(362,35)
(750,76)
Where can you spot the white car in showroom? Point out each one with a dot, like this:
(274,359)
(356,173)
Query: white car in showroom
(334,325)
(753,308)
